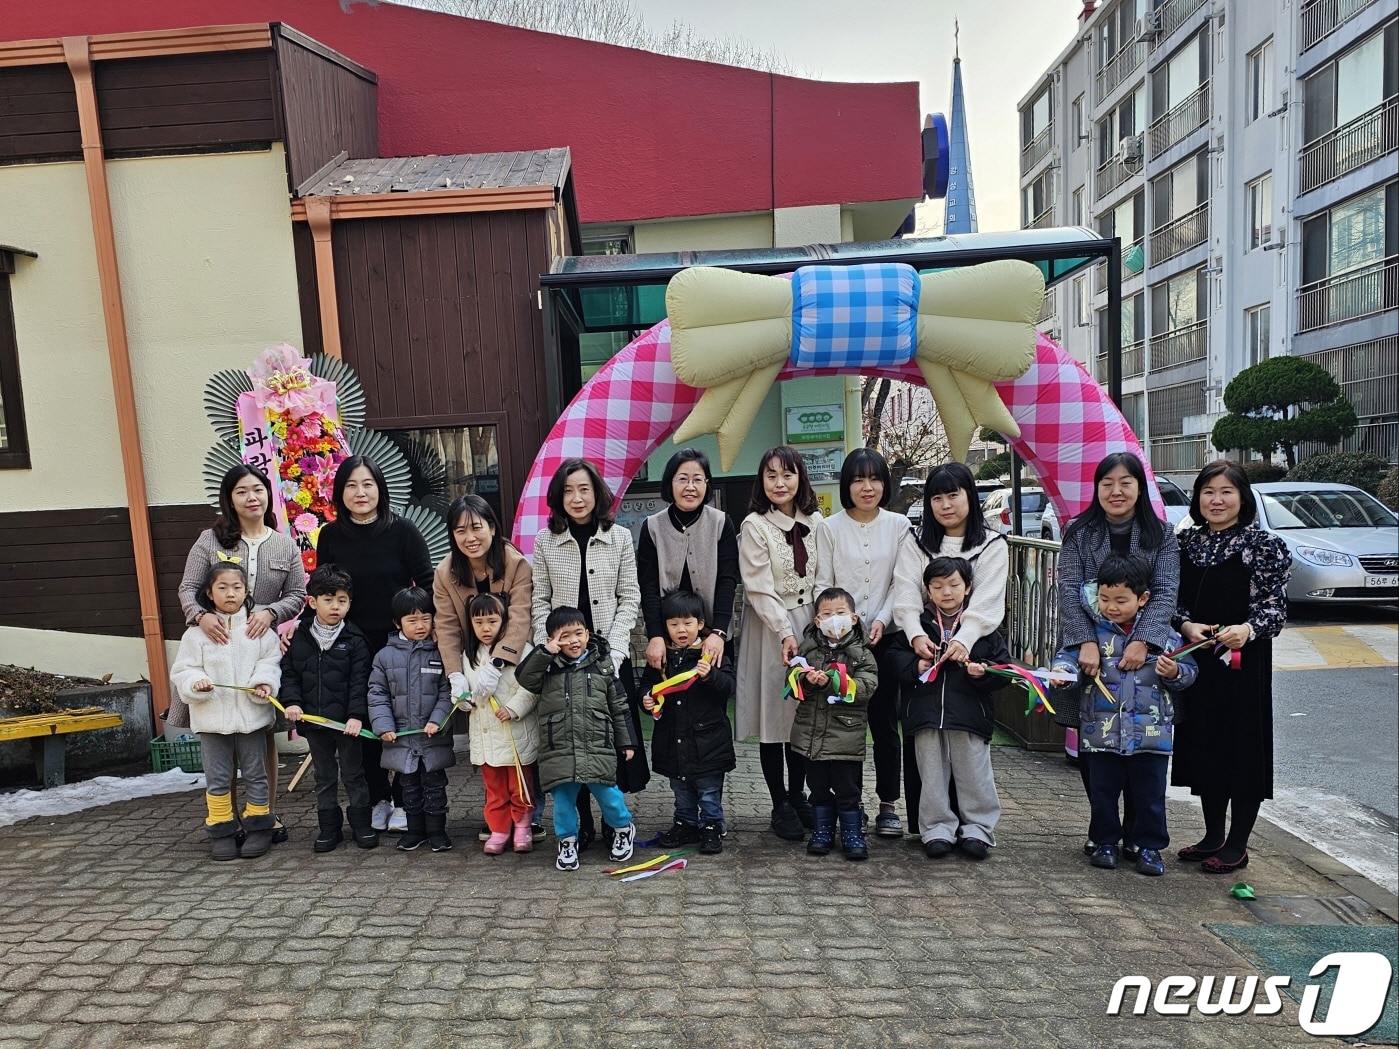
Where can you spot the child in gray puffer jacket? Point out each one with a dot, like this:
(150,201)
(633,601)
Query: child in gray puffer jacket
(409,703)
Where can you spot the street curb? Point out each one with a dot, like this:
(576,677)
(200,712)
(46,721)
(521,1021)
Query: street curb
(1354,883)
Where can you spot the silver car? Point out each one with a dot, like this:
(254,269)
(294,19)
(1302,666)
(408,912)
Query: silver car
(1344,541)
(996,510)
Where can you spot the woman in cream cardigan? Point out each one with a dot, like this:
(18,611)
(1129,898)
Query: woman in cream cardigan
(777,563)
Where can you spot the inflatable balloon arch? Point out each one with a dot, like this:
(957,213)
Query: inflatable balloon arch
(967,334)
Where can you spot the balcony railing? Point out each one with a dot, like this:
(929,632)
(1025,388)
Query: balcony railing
(1180,346)
(1177,454)
(1181,234)
(1047,306)
(1348,296)
(1044,220)
(1368,137)
(1320,18)
(1113,174)
(1118,68)
(1133,361)
(1037,148)
(1170,16)
(1173,125)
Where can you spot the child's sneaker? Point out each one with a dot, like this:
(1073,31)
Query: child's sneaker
(398,819)
(711,840)
(623,839)
(379,817)
(568,854)
(680,834)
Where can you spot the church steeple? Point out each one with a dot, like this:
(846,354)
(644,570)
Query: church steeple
(960,215)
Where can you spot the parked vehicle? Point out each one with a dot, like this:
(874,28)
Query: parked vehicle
(985,488)
(998,505)
(1177,510)
(1344,541)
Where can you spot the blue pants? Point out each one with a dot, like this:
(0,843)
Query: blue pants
(1107,775)
(609,799)
(699,800)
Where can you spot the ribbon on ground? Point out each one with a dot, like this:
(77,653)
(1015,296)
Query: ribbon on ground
(678,683)
(1038,694)
(673,865)
(653,861)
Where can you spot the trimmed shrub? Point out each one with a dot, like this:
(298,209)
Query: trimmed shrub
(1259,471)
(1389,489)
(1357,468)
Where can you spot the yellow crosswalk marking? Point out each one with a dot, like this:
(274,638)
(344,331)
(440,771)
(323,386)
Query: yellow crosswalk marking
(1336,647)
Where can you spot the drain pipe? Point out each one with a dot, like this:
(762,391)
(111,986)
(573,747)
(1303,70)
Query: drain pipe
(76,54)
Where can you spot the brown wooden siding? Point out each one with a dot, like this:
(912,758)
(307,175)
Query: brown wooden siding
(187,103)
(74,569)
(304,250)
(439,316)
(329,104)
(38,115)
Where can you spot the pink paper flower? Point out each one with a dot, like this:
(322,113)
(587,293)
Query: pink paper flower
(305,523)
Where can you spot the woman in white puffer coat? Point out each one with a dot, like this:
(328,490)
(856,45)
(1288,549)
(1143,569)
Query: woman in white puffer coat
(505,734)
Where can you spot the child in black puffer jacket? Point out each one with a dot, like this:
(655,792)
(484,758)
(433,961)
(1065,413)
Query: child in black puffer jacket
(951,719)
(693,740)
(409,690)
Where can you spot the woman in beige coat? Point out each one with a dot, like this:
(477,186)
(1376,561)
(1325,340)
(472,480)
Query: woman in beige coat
(777,563)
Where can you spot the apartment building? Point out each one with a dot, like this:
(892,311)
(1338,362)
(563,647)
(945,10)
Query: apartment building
(1247,156)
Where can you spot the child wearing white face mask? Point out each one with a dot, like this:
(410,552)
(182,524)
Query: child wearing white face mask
(835,675)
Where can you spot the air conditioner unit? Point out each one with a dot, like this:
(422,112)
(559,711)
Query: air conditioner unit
(1130,148)
(1152,21)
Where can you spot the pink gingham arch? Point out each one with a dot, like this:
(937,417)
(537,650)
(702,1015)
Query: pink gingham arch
(635,402)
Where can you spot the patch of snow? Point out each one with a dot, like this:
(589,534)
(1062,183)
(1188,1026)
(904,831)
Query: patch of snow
(104,790)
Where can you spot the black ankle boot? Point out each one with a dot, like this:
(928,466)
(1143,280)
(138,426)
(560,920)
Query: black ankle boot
(259,835)
(852,835)
(802,808)
(223,839)
(331,821)
(362,827)
(415,835)
(436,825)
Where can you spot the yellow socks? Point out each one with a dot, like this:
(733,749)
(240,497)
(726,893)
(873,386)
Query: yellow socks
(249,809)
(220,808)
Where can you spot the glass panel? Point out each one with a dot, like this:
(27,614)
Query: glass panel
(1183,73)
(1039,112)
(1181,301)
(4,434)
(470,456)
(1326,510)
(1360,80)
(1357,232)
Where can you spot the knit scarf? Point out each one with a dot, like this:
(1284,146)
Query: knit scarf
(325,635)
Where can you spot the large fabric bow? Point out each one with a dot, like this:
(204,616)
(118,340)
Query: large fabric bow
(732,333)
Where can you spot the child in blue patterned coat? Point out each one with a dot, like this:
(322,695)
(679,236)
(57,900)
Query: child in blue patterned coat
(1126,716)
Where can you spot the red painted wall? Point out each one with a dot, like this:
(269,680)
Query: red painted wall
(652,136)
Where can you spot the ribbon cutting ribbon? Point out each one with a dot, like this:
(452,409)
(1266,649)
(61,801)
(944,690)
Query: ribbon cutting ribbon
(845,684)
(732,333)
(314,719)
(673,865)
(1231,658)
(1038,694)
(679,683)
(515,753)
(662,859)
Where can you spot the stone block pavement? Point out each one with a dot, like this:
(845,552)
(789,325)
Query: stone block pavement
(119,931)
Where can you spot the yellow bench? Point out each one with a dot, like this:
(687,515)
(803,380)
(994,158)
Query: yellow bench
(46,733)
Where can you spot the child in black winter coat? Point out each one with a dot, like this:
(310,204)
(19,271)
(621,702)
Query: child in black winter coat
(947,709)
(693,740)
(408,689)
(325,672)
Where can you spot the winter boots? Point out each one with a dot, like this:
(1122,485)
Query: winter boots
(852,835)
(415,835)
(362,826)
(524,835)
(436,825)
(259,830)
(823,830)
(223,839)
(331,832)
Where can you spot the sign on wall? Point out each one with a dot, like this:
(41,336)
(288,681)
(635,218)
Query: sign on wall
(816,424)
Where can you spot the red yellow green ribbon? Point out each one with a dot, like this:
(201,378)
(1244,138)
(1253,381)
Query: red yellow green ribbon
(678,683)
(655,861)
(1038,695)
(314,719)
(845,684)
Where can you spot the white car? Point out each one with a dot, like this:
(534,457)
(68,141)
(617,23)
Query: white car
(1177,510)
(998,505)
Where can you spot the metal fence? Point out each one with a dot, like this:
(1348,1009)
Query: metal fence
(1032,600)
(1321,17)
(1359,293)
(1118,68)
(1037,148)
(1175,124)
(1171,16)
(1368,137)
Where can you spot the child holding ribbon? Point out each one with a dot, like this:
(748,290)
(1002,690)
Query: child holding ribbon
(1126,716)
(408,705)
(325,672)
(504,728)
(950,717)
(230,721)
(693,740)
(833,676)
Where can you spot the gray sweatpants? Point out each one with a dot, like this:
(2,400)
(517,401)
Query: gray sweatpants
(950,756)
(224,756)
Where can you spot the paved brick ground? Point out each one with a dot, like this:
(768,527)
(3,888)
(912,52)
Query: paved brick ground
(119,931)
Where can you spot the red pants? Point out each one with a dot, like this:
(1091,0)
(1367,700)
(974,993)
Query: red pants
(505,804)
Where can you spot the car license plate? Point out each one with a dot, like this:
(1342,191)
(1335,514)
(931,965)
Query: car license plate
(1381,581)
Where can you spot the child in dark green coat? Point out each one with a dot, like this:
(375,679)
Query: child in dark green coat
(837,674)
(584,722)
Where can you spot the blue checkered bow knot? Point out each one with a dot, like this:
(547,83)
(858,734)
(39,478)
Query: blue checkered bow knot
(854,316)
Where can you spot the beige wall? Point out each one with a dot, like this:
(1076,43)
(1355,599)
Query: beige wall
(704,233)
(79,655)
(208,279)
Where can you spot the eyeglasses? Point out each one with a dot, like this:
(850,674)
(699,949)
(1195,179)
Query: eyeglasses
(688,482)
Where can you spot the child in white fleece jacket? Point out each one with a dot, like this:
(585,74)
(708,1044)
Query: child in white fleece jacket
(231,723)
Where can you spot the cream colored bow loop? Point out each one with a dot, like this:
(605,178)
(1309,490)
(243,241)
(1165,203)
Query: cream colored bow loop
(967,328)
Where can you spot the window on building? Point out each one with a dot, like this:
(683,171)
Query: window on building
(1180,76)
(1134,411)
(1133,327)
(1258,83)
(1179,302)
(470,455)
(1352,84)
(596,348)
(1259,194)
(14,438)
(1356,233)
(1119,29)
(1180,190)
(1081,307)
(1037,116)
(1037,200)
(1079,216)
(1080,127)
(1128,119)
(1257,326)
(1170,406)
